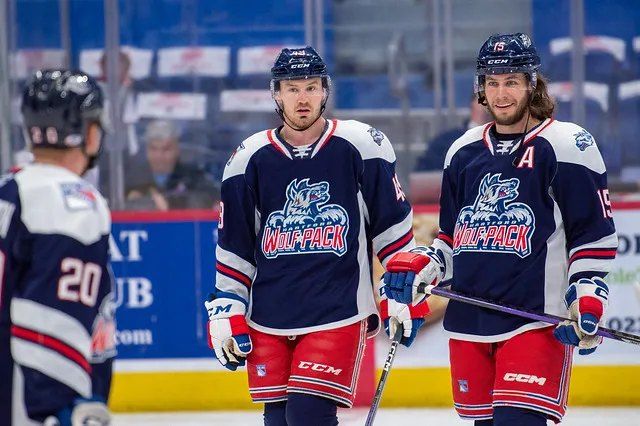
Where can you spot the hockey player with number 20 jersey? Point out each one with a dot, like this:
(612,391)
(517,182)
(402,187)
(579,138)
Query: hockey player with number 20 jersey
(56,312)
(303,208)
(525,220)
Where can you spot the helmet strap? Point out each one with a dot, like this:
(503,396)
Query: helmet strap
(92,159)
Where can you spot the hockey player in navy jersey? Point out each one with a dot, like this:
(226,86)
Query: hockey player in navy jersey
(525,220)
(56,313)
(303,208)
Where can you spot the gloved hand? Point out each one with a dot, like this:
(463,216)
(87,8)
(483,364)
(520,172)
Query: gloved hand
(586,300)
(395,315)
(228,330)
(408,272)
(82,412)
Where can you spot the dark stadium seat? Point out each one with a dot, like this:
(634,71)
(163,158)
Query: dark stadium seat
(598,116)
(605,59)
(628,123)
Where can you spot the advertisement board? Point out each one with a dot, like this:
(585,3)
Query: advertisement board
(164,268)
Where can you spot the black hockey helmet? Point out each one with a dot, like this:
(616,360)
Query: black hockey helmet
(505,54)
(298,64)
(58,106)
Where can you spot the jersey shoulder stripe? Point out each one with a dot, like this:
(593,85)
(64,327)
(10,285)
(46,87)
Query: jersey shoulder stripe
(55,201)
(470,136)
(573,144)
(368,141)
(239,160)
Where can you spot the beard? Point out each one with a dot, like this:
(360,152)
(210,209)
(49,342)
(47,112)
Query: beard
(511,119)
(302,123)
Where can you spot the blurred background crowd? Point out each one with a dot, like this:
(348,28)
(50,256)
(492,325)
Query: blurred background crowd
(187,80)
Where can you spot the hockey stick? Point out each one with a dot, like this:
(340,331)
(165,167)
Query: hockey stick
(548,318)
(383,378)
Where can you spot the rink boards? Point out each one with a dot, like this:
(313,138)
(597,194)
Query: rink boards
(164,266)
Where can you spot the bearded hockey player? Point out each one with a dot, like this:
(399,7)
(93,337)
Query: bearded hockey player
(525,220)
(56,314)
(303,208)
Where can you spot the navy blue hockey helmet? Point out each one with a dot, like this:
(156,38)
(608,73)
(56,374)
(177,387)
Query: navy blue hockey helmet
(298,64)
(58,106)
(505,54)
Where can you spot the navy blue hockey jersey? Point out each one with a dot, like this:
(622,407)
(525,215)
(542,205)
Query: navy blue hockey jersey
(519,225)
(55,304)
(298,227)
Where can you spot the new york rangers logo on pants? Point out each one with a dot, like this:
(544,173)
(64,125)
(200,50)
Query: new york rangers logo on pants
(494,223)
(306,224)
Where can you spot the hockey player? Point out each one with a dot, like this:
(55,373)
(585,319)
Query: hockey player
(56,313)
(303,208)
(525,220)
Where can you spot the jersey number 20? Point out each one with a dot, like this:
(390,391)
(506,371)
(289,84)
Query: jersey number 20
(80,282)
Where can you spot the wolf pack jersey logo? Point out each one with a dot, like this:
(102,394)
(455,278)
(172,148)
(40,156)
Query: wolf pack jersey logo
(306,224)
(583,139)
(494,223)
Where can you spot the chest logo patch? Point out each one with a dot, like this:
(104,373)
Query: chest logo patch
(306,224)
(495,223)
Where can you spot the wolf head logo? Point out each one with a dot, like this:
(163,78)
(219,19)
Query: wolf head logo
(376,135)
(494,193)
(304,199)
(583,140)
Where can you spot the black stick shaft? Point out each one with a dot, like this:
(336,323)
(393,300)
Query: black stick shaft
(383,378)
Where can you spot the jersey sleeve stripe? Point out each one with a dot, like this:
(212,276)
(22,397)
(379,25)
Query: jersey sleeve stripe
(392,234)
(395,246)
(239,264)
(593,253)
(53,344)
(445,238)
(225,284)
(590,266)
(48,321)
(51,364)
(609,242)
(233,274)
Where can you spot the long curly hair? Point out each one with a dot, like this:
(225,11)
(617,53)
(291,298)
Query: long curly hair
(542,104)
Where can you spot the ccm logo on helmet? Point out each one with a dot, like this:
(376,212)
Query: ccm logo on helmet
(497,61)
(306,365)
(299,66)
(524,378)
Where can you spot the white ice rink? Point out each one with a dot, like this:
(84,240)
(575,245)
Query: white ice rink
(385,417)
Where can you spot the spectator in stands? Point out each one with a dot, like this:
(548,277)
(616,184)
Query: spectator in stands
(427,176)
(126,97)
(139,189)
(183,185)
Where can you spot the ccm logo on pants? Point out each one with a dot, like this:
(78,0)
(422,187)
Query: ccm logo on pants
(320,367)
(524,378)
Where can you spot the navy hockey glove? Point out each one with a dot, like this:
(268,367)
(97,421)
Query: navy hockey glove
(586,300)
(408,272)
(395,315)
(228,330)
(82,412)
